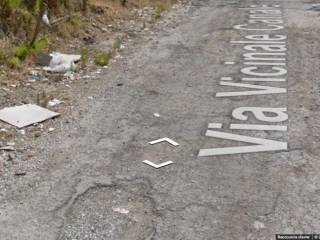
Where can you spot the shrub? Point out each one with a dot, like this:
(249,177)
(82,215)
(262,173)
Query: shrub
(21,52)
(40,45)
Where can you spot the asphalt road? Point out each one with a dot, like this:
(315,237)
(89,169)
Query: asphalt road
(92,183)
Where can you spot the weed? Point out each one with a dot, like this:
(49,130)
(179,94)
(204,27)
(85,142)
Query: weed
(84,56)
(13,62)
(40,45)
(3,55)
(21,51)
(159,9)
(102,59)
(76,21)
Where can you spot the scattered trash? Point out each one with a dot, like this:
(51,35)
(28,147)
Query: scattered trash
(156,115)
(164,140)
(25,115)
(33,77)
(51,129)
(258,225)
(45,18)
(69,75)
(121,210)
(62,62)
(54,102)
(43,59)
(157,165)
(7,148)
(22,132)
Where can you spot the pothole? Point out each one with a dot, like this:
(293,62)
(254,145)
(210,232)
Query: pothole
(123,211)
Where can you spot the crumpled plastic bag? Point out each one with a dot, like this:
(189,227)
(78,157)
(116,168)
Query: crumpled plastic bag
(62,62)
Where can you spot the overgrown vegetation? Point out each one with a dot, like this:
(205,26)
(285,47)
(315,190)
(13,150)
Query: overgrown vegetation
(21,21)
(28,26)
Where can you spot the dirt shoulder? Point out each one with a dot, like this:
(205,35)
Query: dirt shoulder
(110,27)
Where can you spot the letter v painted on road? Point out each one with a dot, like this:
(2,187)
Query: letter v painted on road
(262,145)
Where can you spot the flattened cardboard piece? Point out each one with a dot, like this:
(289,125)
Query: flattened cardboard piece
(25,115)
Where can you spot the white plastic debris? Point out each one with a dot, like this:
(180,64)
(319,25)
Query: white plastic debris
(22,132)
(121,210)
(156,114)
(69,75)
(45,18)
(258,225)
(54,102)
(8,148)
(51,129)
(25,115)
(62,62)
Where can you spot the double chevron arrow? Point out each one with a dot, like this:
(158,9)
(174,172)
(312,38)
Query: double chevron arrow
(165,163)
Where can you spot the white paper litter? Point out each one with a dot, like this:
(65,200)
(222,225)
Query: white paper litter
(51,129)
(54,102)
(62,62)
(156,114)
(121,210)
(25,115)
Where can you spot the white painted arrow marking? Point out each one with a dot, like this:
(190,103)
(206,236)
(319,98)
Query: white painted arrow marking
(157,165)
(164,140)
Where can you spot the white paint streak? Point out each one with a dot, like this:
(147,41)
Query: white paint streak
(264,90)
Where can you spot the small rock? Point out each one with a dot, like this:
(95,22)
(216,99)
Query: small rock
(20,173)
(88,40)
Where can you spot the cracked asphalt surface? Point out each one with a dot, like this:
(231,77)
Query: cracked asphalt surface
(90,182)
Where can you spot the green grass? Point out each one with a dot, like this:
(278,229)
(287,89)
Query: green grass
(102,59)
